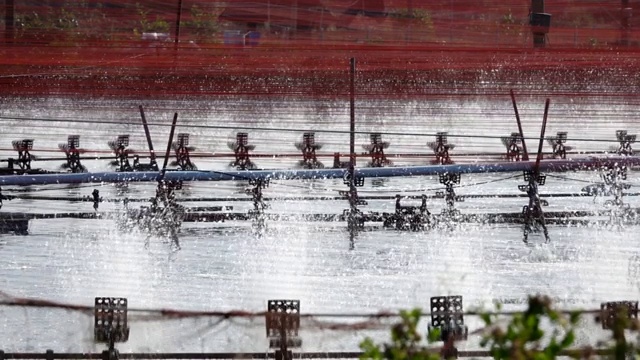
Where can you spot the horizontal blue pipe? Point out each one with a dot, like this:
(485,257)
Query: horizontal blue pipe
(147,176)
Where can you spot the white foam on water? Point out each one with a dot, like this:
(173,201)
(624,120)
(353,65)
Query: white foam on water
(542,253)
(229,268)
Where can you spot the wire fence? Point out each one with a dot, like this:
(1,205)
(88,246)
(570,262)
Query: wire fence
(342,323)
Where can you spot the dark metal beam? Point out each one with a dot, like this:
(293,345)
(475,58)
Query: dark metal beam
(9,21)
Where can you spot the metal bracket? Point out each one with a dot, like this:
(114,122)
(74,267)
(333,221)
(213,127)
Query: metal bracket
(625,141)
(532,213)
(558,144)
(119,147)
(72,153)
(256,193)
(513,144)
(376,150)
(308,146)
(441,149)
(23,147)
(406,217)
(449,180)
(110,322)
(182,150)
(447,315)
(612,176)
(96,198)
(359,180)
(610,311)
(257,213)
(541,179)
(282,324)
(241,148)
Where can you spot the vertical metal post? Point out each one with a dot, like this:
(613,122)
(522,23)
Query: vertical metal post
(353,195)
(352,117)
(407,36)
(625,25)
(525,156)
(532,213)
(9,20)
(295,17)
(283,336)
(178,18)
(451,21)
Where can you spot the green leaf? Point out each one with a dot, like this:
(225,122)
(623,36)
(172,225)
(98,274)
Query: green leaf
(568,340)
(434,335)
(486,318)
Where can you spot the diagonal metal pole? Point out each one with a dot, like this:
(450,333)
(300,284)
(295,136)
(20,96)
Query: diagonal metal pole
(541,142)
(534,197)
(525,156)
(168,152)
(152,153)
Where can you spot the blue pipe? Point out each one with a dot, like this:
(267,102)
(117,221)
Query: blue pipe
(148,176)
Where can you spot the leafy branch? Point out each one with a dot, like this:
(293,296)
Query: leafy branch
(541,332)
(524,338)
(203,24)
(405,341)
(158,25)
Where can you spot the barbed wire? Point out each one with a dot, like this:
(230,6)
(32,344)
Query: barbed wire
(168,313)
(374,321)
(259,128)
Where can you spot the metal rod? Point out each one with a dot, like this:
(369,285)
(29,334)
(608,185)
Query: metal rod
(536,169)
(264,355)
(297,130)
(318,155)
(319,174)
(353,192)
(9,20)
(625,15)
(152,153)
(168,152)
(178,19)
(216,214)
(352,119)
(515,108)
(297,198)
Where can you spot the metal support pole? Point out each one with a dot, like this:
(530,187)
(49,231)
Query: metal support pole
(9,21)
(152,153)
(168,152)
(525,156)
(353,195)
(625,23)
(533,212)
(352,118)
(178,18)
(283,336)
(541,143)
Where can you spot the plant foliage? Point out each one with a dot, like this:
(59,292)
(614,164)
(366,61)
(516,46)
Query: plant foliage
(540,332)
